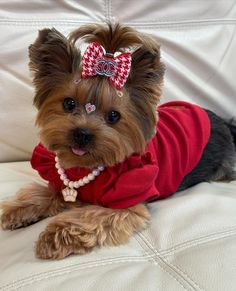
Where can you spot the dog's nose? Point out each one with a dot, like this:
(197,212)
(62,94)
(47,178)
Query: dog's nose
(82,137)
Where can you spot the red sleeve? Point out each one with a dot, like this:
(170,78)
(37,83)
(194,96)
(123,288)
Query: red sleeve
(43,161)
(133,186)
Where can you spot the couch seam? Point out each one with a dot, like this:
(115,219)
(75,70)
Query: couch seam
(105,9)
(199,241)
(33,22)
(158,258)
(172,267)
(153,257)
(69,269)
(222,57)
(181,273)
(195,22)
(111,11)
(108,11)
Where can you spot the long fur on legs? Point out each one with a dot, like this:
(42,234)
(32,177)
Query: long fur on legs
(79,230)
(32,203)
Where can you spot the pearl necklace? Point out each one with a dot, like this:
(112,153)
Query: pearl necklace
(69,193)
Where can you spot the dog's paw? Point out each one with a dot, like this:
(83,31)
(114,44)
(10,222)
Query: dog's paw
(47,246)
(14,218)
(30,204)
(59,241)
(8,221)
(80,230)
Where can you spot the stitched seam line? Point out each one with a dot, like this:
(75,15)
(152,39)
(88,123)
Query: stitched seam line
(110,6)
(154,256)
(111,10)
(33,22)
(198,241)
(223,56)
(185,22)
(107,6)
(180,273)
(69,269)
(163,258)
(105,9)
(161,263)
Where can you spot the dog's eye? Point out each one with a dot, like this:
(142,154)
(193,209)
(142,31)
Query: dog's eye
(68,104)
(112,117)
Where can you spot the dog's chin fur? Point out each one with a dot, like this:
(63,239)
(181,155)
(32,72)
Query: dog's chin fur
(56,63)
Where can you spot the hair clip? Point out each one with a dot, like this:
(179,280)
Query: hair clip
(90,108)
(96,61)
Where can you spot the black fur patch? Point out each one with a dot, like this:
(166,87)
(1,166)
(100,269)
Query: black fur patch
(219,157)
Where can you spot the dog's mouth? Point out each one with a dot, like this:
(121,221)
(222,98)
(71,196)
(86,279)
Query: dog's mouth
(78,151)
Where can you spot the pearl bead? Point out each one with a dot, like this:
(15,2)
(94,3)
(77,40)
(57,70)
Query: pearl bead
(76,184)
(71,184)
(60,171)
(57,166)
(96,172)
(86,180)
(63,177)
(66,182)
(81,182)
(91,177)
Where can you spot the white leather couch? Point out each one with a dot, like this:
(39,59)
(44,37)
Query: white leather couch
(191,242)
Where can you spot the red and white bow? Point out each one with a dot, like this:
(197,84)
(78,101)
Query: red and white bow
(97,62)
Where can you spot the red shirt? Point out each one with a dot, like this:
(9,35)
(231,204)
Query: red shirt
(183,130)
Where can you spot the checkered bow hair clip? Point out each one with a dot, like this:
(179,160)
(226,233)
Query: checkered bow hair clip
(97,62)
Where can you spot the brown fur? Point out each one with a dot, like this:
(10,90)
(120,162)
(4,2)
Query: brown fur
(55,62)
(79,230)
(30,205)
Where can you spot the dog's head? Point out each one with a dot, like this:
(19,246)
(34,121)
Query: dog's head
(95,120)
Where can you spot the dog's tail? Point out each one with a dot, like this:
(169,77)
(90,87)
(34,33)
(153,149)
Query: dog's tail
(232,126)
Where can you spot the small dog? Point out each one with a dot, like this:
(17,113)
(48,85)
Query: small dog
(107,147)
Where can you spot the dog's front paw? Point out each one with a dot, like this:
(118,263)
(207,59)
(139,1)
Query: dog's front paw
(31,204)
(13,218)
(79,230)
(50,245)
(9,221)
(59,241)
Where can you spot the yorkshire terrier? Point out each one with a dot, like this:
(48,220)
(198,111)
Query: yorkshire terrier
(107,147)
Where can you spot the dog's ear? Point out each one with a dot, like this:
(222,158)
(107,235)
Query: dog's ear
(147,72)
(52,59)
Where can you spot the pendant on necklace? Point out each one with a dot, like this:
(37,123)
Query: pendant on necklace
(69,194)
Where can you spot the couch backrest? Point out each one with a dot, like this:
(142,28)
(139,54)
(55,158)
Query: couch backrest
(198,43)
